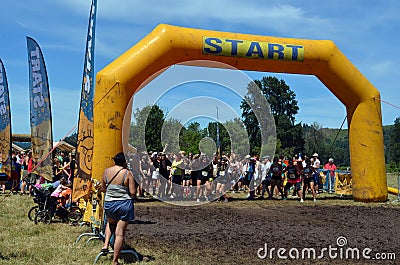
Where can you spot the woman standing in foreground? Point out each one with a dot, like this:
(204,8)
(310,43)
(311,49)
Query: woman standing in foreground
(119,187)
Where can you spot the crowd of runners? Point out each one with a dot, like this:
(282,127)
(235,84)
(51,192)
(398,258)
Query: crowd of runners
(202,178)
(199,177)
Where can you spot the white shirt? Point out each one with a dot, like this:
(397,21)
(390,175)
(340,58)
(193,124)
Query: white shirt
(264,169)
(316,164)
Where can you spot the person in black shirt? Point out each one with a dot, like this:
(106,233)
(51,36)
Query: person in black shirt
(308,179)
(276,180)
(164,165)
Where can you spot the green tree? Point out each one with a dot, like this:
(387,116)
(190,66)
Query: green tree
(315,141)
(190,137)
(394,143)
(283,104)
(239,140)
(145,133)
(171,134)
(225,142)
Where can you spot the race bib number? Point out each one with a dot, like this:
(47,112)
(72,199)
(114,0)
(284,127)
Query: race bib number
(155,175)
(222,173)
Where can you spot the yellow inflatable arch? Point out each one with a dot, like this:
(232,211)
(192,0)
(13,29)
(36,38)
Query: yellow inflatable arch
(168,45)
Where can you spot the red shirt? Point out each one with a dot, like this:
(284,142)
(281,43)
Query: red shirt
(30,165)
(330,167)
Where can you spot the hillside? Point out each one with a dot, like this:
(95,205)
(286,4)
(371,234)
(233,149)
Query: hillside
(340,149)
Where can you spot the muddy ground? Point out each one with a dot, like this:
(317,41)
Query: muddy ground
(232,233)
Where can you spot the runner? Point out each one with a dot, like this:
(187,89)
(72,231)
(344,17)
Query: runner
(186,178)
(145,164)
(135,166)
(276,178)
(222,179)
(266,177)
(177,173)
(164,164)
(308,178)
(293,179)
(234,171)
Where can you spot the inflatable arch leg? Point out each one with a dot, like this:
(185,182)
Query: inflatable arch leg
(167,45)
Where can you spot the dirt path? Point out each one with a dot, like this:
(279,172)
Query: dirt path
(232,233)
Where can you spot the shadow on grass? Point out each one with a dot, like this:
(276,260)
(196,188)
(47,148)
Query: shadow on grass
(131,258)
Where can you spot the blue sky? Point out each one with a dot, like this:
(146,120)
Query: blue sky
(367,32)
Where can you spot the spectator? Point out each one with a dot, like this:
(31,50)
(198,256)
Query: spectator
(3,176)
(119,187)
(33,178)
(25,173)
(58,171)
(72,167)
(331,167)
(15,174)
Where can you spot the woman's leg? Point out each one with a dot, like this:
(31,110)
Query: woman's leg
(312,187)
(279,186)
(110,229)
(305,187)
(23,185)
(198,189)
(119,239)
(272,188)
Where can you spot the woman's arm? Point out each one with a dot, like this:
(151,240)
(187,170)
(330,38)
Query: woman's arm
(103,182)
(66,172)
(131,184)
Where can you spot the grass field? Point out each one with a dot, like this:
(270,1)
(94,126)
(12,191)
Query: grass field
(23,242)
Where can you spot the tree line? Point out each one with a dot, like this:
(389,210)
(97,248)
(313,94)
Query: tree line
(150,130)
